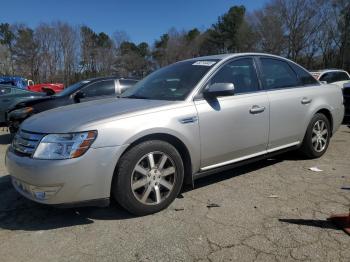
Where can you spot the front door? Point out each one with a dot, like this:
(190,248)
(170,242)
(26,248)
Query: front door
(234,128)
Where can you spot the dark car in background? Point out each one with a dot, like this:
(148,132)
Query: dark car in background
(346,95)
(86,90)
(10,96)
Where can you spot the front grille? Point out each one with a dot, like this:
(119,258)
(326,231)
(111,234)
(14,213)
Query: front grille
(25,143)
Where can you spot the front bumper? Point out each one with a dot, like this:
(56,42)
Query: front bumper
(64,182)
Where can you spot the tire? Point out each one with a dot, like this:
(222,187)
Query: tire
(313,137)
(13,130)
(156,186)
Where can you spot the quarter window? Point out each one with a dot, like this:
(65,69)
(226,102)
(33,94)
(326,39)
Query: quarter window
(102,88)
(277,74)
(241,73)
(304,77)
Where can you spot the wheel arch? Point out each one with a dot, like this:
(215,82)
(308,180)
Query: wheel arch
(327,113)
(174,141)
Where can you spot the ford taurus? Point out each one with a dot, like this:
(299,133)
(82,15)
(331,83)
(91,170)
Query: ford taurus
(182,122)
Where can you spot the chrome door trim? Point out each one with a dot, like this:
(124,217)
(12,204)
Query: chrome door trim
(283,147)
(232,161)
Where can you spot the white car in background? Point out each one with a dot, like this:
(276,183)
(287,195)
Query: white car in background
(332,76)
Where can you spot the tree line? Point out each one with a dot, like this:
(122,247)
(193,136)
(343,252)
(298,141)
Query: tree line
(314,33)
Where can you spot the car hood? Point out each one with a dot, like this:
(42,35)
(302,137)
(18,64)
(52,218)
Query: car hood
(70,118)
(30,101)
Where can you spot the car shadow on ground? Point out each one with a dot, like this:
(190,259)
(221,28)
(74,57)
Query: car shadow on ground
(5,139)
(18,213)
(310,222)
(242,170)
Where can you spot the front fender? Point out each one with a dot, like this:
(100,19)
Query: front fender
(128,130)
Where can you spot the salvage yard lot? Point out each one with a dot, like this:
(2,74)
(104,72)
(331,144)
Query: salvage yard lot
(274,210)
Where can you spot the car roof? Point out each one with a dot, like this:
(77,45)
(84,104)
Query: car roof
(107,78)
(327,70)
(232,55)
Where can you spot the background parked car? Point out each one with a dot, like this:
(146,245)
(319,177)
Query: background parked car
(332,76)
(91,89)
(10,96)
(346,95)
(46,87)
(16,81)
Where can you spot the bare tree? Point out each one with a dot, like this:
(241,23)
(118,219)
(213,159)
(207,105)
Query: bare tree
(68,44)
(268,23)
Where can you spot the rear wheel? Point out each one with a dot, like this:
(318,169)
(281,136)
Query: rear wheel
(149,177)
(317,137)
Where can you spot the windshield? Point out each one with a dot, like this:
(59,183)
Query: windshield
(71,89)
(174,82)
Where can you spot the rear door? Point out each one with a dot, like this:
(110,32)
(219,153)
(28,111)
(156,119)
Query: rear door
(233,128)
(290,96)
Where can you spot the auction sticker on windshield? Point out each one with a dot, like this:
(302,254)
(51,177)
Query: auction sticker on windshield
(204,63)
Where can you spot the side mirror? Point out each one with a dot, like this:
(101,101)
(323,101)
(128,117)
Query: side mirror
(79,95)
(219,89)
(48,91)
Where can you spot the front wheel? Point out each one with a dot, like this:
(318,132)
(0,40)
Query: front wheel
(317,137)
(148,178)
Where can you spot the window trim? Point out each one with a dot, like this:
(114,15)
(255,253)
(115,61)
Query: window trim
(199,94)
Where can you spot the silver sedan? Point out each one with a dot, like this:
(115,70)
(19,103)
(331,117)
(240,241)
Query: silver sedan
(182,122)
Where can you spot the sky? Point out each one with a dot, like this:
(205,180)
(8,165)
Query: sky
(143,20)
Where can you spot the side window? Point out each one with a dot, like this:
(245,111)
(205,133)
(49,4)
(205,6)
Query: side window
(340,76)
(327,77)
(277,74)
(305,77)
(102,88)
(5,91)
(239,72)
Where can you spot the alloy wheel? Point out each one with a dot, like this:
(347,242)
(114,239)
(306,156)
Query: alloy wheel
(319,137)
(153,178)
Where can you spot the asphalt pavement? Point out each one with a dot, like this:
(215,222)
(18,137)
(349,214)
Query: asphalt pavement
(273,210)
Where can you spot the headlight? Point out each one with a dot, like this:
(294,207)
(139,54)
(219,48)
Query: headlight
(21,111)
(64,146)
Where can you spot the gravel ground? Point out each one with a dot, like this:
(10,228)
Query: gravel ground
(274,210)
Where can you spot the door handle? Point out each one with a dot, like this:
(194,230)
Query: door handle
(306,100)
(256,109)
